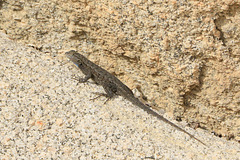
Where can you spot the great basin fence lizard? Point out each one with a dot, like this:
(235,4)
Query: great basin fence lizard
(112,85)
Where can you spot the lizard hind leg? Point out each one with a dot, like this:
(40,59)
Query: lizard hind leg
(110,92)
(101,95)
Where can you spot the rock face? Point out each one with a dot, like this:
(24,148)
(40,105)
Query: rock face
(184,57)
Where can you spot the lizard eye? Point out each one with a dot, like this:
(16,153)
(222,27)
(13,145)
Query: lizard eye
(79,63)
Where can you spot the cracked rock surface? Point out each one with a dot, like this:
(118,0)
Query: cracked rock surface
(45,114)
(181,57)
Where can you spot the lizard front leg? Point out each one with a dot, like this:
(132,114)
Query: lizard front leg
(85,79)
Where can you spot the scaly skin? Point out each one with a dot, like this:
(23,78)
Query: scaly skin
(112,85)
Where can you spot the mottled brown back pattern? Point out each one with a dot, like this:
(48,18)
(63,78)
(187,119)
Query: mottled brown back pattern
(112,85)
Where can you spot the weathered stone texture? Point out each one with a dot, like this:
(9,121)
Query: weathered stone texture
(184,56)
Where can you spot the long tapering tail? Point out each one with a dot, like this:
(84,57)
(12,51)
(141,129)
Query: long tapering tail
(152,112)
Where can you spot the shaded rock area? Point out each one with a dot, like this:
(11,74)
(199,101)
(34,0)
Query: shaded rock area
(182,57)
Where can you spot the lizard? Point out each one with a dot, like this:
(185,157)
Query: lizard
(113,86)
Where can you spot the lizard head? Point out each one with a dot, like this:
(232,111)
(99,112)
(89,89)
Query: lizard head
(76,58)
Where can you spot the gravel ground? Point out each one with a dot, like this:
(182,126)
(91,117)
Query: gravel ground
(45,114)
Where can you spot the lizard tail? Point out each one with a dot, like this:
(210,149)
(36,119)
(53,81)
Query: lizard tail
(155,114)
